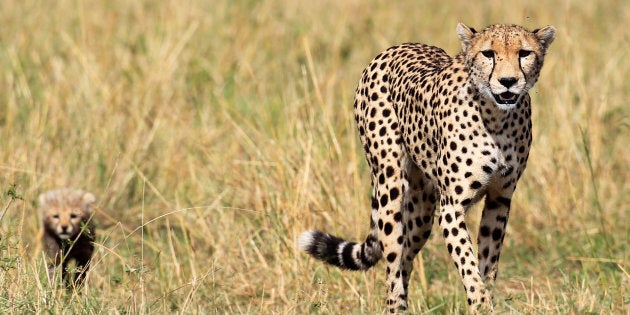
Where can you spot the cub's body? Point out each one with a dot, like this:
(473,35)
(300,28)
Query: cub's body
(68,231)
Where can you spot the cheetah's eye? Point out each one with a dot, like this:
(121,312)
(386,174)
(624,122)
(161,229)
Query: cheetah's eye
(56,216)
(73,216)
(524,53)
(488,54)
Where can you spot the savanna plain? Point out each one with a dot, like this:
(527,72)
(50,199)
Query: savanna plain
(214,132)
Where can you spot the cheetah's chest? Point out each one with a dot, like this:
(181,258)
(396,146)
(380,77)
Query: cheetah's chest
(464,137)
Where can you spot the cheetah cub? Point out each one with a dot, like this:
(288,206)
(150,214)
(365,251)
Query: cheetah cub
(68,231)
(442,130)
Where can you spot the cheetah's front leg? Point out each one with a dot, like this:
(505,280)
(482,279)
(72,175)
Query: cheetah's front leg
(460,247)
(492,231)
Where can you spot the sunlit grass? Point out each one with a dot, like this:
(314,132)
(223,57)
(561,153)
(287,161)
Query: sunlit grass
(214,132)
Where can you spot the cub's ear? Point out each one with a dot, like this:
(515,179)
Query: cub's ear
(42,200)
(88,199)
(465,34)
(545,35)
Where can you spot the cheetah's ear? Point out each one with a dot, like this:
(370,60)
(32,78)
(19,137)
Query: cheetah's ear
(465,34)
(545,35)
(42,200)
(87,200)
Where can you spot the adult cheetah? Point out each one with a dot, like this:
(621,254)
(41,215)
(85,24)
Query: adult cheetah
(453,130)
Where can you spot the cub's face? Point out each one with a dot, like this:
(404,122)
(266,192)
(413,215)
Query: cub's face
(505,60)
(65,222)
(65,211)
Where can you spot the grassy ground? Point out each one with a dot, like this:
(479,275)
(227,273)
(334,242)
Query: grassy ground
(214,132)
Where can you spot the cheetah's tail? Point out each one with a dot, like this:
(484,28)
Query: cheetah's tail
(341,253)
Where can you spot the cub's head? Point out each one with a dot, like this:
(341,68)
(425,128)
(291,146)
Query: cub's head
(64,211)
(505,60)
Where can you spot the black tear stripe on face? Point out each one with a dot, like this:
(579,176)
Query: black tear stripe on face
(520,65)
(491,71)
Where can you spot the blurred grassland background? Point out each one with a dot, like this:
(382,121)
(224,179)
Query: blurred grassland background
(214,132)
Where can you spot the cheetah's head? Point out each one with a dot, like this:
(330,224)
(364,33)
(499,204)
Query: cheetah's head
(64,211)
(505,60)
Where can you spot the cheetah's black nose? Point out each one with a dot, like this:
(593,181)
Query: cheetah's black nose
(507,82)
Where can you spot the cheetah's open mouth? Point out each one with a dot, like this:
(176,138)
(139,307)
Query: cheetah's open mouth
(505,98)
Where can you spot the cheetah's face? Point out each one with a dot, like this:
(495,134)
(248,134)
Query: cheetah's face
(64,212)
(65,222)
(505,60)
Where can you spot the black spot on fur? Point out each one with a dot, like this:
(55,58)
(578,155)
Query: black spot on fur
(475,185)
(388,228)
(384,200)
(496,234)
(393,193)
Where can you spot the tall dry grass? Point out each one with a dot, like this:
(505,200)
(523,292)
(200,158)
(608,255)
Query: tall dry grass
(213,132)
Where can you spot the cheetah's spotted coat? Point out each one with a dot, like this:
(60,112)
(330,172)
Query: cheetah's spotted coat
(448,130)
